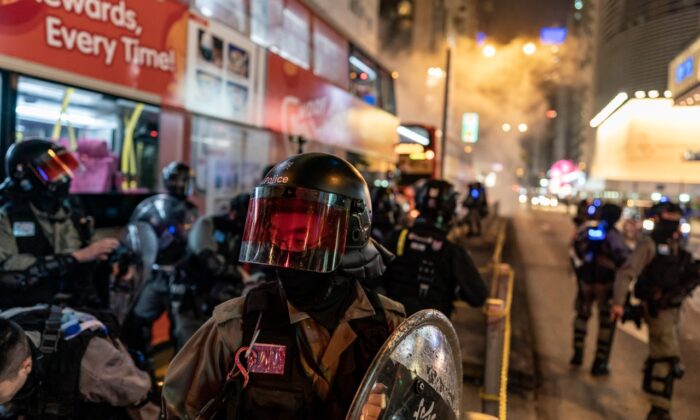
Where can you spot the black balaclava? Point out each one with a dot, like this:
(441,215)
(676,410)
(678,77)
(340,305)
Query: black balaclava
(50,199)
(610,214)
(664,230)
(324,296)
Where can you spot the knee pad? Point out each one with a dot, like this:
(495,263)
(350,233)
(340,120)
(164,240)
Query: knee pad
(661,383)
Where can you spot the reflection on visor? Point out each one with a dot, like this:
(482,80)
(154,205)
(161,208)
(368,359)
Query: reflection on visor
(55,167)
(295,228)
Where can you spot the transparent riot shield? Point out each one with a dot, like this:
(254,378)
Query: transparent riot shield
(418,371)
(138,252)
(171,219)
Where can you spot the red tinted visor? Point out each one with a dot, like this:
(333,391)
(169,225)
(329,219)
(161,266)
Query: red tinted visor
(56,166)
(295,228)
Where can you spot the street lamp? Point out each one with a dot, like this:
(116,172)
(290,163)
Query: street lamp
(489,51)
(506,127)
(529,48)
(522,127)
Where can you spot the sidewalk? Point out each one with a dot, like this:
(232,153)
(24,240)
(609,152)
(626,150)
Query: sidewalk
(470,324)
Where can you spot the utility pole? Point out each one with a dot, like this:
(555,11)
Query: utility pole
(445,112)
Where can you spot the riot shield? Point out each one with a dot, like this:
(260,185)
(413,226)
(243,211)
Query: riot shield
(139,248)
(171,219)
(165,213)
(419,371)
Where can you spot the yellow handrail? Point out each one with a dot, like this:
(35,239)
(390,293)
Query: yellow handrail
(499,269)
(128,164)
(503,393)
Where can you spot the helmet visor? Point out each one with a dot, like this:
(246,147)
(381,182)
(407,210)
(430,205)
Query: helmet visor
(56,166)
(295,228)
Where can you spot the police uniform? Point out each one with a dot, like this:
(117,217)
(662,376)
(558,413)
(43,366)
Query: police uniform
(211,279)
(665,276)
(315,332)
(316,372)
(79,369)
(428,270)
(477,207)
(40,228)
(39,245)
(431,271)
(166,289)
(598,259)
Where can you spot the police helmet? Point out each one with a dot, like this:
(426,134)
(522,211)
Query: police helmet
(177,179)
(436,201)
(40,165)
(306,213)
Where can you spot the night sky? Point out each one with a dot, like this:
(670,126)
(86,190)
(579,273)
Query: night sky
(513,18)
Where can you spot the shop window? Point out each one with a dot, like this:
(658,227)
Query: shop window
(388,100)
(364,78)
(232,13)
(284,27)
(115,139)
(228,160)
(330,54)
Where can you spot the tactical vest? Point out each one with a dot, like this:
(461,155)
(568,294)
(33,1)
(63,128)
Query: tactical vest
(664,274)
(604,273)
(289,395)
(19,213)
(420,278)
(56,372)
(588,250)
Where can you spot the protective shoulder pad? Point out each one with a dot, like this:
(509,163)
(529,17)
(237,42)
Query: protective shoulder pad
(231,309)
(392,305)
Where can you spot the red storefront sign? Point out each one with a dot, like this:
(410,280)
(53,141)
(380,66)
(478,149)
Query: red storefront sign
(299,103)
(140,44)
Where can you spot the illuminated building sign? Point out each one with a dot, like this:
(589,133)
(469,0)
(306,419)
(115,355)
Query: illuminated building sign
(470,127)
(553,36)
(685,69)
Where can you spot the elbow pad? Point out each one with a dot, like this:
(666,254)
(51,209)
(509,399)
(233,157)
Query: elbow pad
(51,265)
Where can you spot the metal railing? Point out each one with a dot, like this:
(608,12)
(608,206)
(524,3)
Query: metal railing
(494,394)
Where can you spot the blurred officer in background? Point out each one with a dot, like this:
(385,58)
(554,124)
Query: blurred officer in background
(601,250)
(429,268)
(47,250)
(666,274)
(171,216)
(477,207)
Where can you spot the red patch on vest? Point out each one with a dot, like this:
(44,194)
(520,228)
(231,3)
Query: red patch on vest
(267,358)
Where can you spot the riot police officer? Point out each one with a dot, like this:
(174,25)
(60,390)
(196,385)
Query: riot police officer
(386,212)
(59,363)
(665,275)
(313,334)
(171,216)
(601,249)
(477,207)
(214,244)
(46,244)
(429,267)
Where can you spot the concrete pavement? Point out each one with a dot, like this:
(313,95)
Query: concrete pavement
(566,393)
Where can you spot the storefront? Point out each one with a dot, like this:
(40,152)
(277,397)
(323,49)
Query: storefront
(225,75)
(104,79)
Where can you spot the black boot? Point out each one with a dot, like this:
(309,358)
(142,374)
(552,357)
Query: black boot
(658,413)
(577,358)
(600,368)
